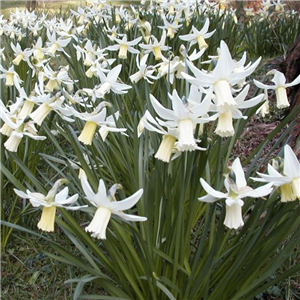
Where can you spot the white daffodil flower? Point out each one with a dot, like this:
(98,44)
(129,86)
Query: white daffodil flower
(169,6)
(93,119)
(110,125)
(168,68)
(38,50)
(48,103)
(56,78)
(171,28)
(279,87)
(96,118)
(183,117)
(113,32)
(266,4)
(237,189)
(144,71)
(55,44)
(226,114)
(107,205)
(110,82)
(155,46)
(26,104)
(289,180)
(49,203)
(170,136)
(145,28)
(35,27)
(198,36)
(81,15)
(265,108)
(16,128)
(224,76)
(12,78)
(124,46)
(21,54)
(279,6)
(90,53)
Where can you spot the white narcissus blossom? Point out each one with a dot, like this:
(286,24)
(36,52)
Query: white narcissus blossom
(183,117)
(16,128)
(48,103)
(226,114)
(279,6)
(236,190)
(170,136)
(38,50)
(171,28)
(144,71)
(56,44)
(145,28)
(198,36)
(21,54)
(265,108)
(12,78)
(279,87)
(156,46)
(110,125)
(96,118)
(49,203)
(56,78)
(123,46)
(81,15)
(289,180)
(92,120)
(226,74)
(107,205)
(109,82)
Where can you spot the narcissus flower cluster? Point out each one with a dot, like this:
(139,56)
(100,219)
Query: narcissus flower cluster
(88,82)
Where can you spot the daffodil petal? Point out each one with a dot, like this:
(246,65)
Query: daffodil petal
(211,191)
(126,203)
(291,164)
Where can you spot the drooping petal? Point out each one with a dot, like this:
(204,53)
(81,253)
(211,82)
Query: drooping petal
(21,194)
(90,195)
(208,199)
(260,192)
(126,203)
(132,218)
(264,86)
(294,82)
(212,191)
(160,110)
